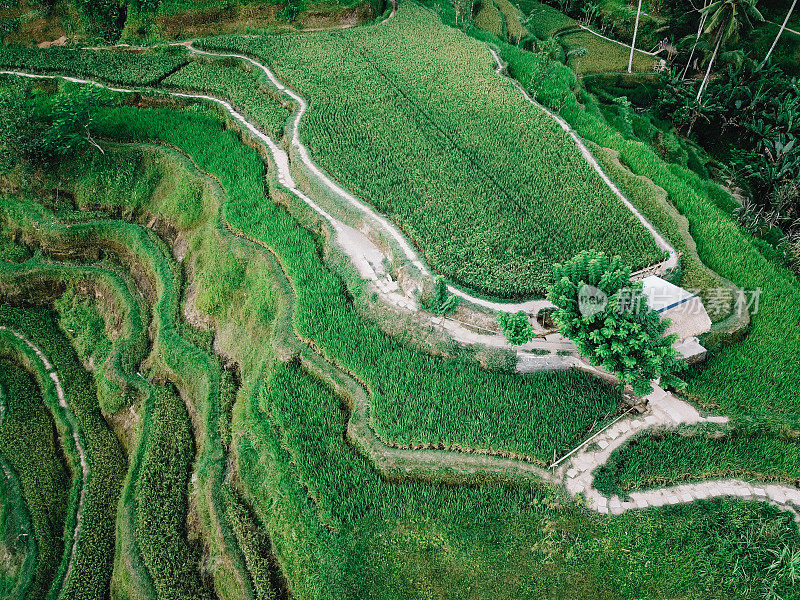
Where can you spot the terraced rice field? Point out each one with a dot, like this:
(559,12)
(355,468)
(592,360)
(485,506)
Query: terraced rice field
(481,180)
(217,408)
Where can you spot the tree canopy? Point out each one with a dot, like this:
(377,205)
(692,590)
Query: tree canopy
(608,318)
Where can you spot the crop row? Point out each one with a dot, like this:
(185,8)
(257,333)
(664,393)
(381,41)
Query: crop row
(489,186)
(238,86)
(179,197)
(122,67)
(668,459)
(86,572)
(31,448)
(167,452)
(410,391)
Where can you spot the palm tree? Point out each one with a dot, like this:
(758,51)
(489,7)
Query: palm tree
(726,18)
(703,17)
(635,31)
(780,31)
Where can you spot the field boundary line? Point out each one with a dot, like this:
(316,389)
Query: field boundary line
(600,35)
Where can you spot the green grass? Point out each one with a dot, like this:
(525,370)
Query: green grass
(192,370)
(410,540)
(242,88)
(340,530)
(436,400)
(655,460)
(466,406)
(132,68)
(676,539)
(490,187)
(757,375)
(548,21)
(30,445)
(489,18)
(604,56)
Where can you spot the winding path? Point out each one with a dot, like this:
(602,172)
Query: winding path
(355,248)
(665,410)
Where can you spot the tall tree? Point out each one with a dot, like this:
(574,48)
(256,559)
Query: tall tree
(780,31)
(726,19)
(635,33)
(700,26)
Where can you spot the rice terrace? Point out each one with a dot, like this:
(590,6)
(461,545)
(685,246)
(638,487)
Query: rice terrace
(464,299)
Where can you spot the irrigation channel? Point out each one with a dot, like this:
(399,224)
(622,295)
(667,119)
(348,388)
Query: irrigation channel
(575,473)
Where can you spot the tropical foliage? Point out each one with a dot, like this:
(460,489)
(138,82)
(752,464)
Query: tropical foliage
(608,319)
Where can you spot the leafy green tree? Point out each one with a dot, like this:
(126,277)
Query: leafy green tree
(607,317)
(516,327)
(36,130)
(293,9)
(71,117)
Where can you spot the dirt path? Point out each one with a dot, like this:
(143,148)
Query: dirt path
(576,474)
(356,245)
(71,424)
(365,255)
(665,410)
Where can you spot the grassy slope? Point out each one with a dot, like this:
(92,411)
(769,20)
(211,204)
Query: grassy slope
(488,185)
(445,540)
(92,562)
(490,18)
(548,21)
(428,401)
(415,540)
(756,378)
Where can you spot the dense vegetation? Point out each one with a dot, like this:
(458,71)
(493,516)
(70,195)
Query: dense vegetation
(104,21)
(235,473)
(660,459)
(606,315)
(30,446)
(110,65)
(485,192)
(84,572)
(256,100)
